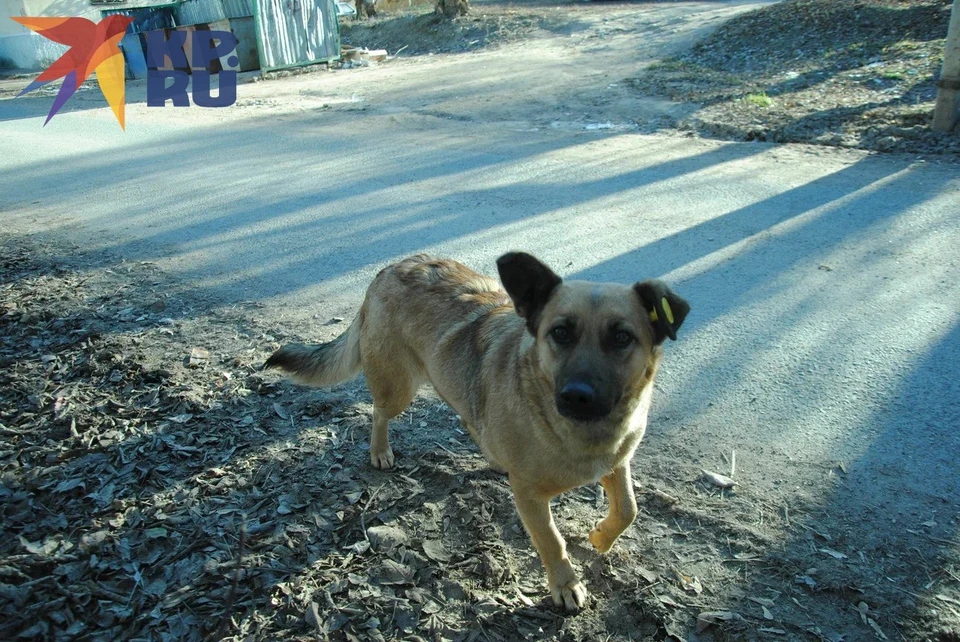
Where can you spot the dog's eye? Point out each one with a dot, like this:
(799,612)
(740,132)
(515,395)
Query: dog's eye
(622,339)
(561,335)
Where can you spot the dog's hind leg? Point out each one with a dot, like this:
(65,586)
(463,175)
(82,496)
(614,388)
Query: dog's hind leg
(381,454)
(392,387)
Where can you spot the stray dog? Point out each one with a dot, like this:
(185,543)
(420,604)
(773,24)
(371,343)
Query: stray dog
(552,378)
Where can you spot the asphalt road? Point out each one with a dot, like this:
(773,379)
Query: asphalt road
(826,307)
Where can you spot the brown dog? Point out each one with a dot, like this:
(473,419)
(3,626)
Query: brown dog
(553,381)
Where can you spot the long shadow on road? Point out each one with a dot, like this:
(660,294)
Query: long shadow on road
(823,347)
(280,215)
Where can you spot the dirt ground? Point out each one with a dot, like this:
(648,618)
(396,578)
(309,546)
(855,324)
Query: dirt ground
(531,65)
(157,485)
(420,30)
(856,74)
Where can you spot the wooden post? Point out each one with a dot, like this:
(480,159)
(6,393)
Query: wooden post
(945,113)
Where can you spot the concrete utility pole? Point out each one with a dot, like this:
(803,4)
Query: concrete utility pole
(945,113)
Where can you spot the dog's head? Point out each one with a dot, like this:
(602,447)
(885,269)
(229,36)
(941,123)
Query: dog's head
(598,343)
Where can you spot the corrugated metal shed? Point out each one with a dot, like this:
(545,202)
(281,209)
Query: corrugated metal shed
(289,33)
(195,12)
(146,18)
(126,5)
(293,33)
(245,29)
(238,8)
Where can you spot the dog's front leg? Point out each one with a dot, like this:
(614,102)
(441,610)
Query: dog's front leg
(565,587)
(623,508)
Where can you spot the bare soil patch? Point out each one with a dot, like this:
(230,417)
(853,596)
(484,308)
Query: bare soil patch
(420,30)
(857,73)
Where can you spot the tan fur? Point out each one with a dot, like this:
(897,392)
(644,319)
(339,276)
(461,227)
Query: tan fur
(436,320)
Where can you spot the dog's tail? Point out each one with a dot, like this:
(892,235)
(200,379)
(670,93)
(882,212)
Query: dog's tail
(322,365)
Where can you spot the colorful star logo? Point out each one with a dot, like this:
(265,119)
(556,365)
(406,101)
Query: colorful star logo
(94,47)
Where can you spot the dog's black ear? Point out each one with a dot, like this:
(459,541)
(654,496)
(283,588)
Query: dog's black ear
(667,310)
(529,284)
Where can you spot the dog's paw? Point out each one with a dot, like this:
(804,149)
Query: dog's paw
(571,596)
(600,540)
(382,459)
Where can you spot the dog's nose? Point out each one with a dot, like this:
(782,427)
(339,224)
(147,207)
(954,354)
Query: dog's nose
(580,401)
(578,395)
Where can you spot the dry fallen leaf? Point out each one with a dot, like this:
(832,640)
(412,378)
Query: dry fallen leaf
(806,580)
(359,548)
(391,572)
(863,609)
(523,598)
(197,357)
(715,479)
(44,550)
(664,497)
(312,616)
(435,551)
(691,584)
(387,538)
(647,574)
(709,618)
(876,627)
(69,484)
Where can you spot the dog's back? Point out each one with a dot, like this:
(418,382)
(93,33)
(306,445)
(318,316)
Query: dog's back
(413,302)
(420,298)
(434,320)
(422,319)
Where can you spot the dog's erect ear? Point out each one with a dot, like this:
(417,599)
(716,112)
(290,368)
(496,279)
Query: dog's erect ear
(667,311)
(529,284)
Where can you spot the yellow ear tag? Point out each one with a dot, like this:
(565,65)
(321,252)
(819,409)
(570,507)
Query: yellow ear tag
(653,315)
(667,310)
